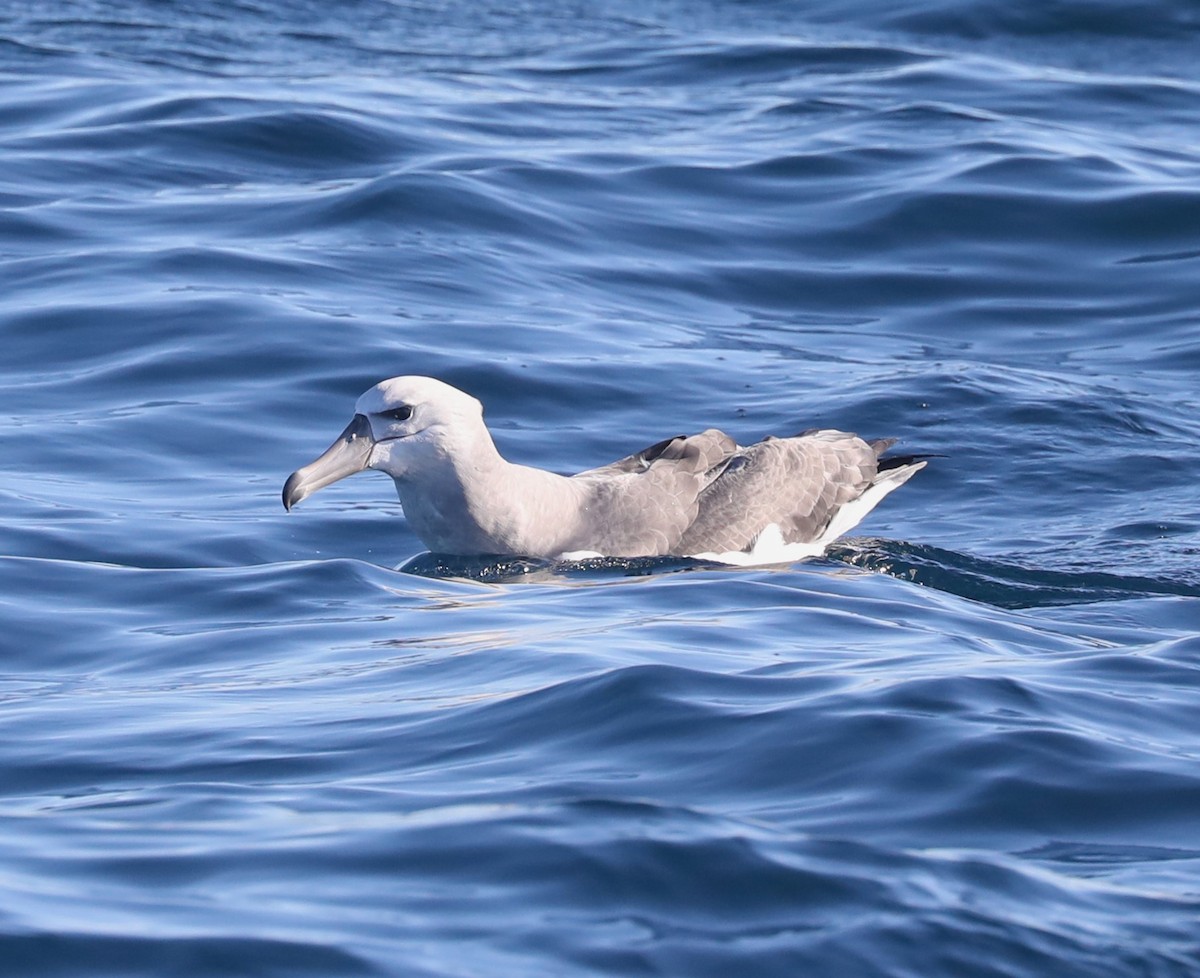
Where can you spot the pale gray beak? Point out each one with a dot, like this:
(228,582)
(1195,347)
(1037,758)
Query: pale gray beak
(349,454)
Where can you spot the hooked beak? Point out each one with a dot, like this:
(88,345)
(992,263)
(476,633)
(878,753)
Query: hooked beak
(349,454)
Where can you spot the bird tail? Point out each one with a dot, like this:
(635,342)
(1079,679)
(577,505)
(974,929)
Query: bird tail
(891,474)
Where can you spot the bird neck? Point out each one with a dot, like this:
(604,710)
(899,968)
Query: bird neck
(471,500)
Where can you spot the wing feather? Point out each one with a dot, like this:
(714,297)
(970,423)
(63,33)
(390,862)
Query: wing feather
(641,505)
(797,484)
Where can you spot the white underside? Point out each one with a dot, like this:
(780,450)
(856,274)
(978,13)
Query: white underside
(580,555)
(769,546)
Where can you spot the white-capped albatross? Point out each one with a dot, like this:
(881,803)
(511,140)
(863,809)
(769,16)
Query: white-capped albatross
(692,495)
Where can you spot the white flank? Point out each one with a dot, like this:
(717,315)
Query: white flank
(768,548)
(580,555)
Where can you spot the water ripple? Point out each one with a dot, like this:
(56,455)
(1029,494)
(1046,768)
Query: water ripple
(242,741)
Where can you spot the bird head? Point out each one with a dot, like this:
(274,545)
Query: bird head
(399,425)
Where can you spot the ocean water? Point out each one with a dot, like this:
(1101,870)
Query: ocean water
(235,741)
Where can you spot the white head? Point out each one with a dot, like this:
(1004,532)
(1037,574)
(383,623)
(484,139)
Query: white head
(399,425)
(414,419)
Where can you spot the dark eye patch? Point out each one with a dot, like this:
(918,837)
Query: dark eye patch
(402,413)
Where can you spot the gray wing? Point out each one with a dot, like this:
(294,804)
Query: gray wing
(796,483)
(709,448)
(641,505)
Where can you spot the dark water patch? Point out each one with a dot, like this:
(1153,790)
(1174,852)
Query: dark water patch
(1004,585)
(1161,19)
(745,63)
(449,202)
(54,953)
(244,137)
(501,569)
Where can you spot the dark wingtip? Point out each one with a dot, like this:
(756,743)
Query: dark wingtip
(895,461)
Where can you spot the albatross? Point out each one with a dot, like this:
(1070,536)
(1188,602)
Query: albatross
(699,495)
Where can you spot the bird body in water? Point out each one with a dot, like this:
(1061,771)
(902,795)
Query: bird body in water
(689,495)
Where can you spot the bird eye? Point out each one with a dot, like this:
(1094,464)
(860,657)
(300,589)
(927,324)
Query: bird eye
(402,413)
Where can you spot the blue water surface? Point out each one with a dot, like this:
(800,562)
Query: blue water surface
(235,741)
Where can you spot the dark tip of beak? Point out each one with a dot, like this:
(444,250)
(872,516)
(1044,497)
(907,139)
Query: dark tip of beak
(349,454)
(291,491)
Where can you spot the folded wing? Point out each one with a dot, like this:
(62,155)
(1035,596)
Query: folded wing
(644,503)
(797,484)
